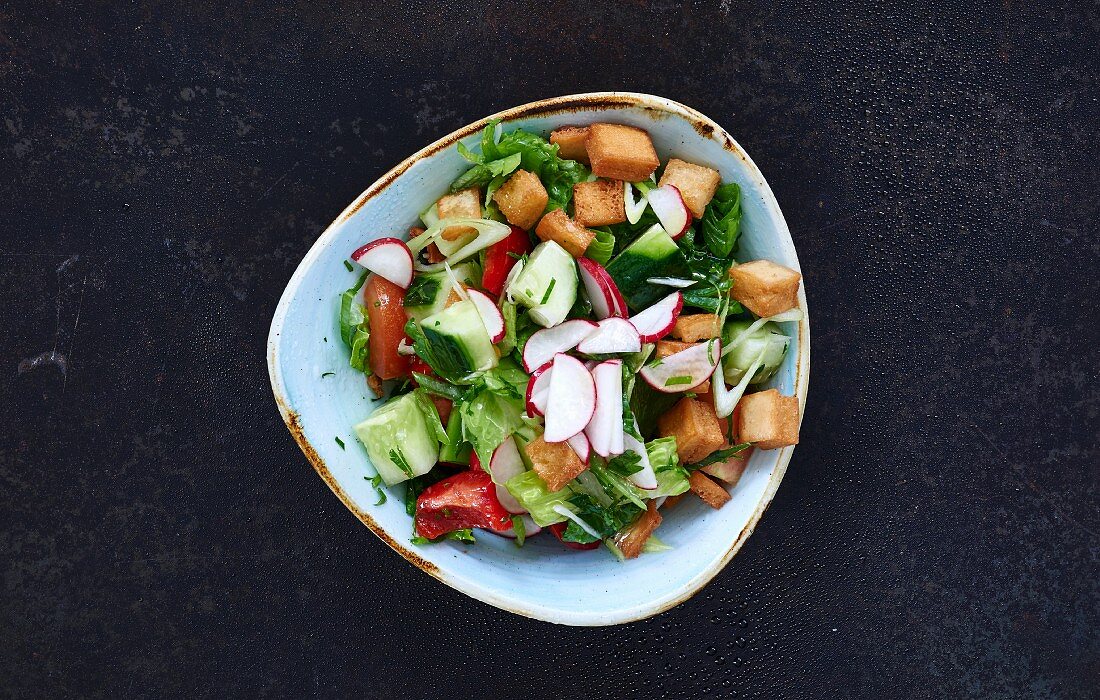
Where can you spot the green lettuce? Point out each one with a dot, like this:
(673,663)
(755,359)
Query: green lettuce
(537,155)
(672,479)
(602,246)
(721,222)
(355,327)
(533,494)
(493,409)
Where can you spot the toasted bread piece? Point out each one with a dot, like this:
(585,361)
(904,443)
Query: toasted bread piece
(522,199)
(631,540)
(712,494)
(558,227)
(765,288)
(730,469)
(570,141)
(621,152)
(695,327)
(464,204)
(768,420)
(374,383)
(599,203)
(696,428)
(555,462)
(670,347)
(696,183)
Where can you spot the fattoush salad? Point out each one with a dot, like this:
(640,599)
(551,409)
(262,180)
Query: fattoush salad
(570,343)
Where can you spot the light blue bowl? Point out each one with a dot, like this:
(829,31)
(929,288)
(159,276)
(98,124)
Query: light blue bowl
(542,580)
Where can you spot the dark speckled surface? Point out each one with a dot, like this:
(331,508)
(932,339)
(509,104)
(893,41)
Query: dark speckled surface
(165,168)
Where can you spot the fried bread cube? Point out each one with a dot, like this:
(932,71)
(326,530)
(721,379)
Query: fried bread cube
(599,203)
(570,141)
(695,327)
(765,288)
(522,199)
(464,204)
(555,462)
(712,494)
(631,540)
(768,420)
(696,183)
(558,227)
(621,152)
(696,428)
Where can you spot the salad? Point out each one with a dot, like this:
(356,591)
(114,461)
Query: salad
(569,343)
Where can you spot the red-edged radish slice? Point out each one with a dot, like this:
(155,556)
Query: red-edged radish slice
(505,464)
(657,321)
(530,529)
(571,401)
(605,429)
(634,207)
(602,291)
(612,335)
(490,314)
(544,344)
(646,478)
(581,446)
(538,390)
(668,205)
(671,282)
(389,258)
(684,370)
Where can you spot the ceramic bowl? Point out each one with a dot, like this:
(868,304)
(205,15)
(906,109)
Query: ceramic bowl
(543,579)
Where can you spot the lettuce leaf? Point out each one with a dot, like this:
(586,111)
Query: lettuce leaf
(602,246)
(672,479)
(493,409)
(355,327)
(537,155)
(721,222)
(533,494)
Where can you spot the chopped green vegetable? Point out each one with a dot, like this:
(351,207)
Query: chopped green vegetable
(340,443)
(672,479)
(721,222)
(520,530)
(533,494)
(719,456)
(539,156)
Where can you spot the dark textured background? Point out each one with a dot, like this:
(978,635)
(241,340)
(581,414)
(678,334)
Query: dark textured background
(164,168)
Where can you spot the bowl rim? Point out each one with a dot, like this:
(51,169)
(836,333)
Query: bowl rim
(590,101)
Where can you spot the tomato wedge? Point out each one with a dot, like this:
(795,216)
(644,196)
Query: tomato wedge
(467,499)
(559,528)
(386,313)
(501,257)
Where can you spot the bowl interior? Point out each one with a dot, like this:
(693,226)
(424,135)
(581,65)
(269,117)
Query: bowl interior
(542,579)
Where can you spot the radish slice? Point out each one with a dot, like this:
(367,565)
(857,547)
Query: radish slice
(490,314)
(684,370)
(646,478)
(505,464)
(657,321)
(634,208)
(581,446)
(611,336)
(571,401)
(389,258)
(543,345)
(602,291)
(530,529)
(671,282)
(538,390)
(605,429)
(668,205)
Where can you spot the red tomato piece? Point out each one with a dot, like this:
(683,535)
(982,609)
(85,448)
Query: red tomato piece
(385,310)
(559,528)
(501,257)
(467,499)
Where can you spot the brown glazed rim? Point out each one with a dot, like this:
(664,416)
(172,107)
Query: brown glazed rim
(657,108)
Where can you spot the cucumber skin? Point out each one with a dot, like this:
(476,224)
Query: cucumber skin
(652,255)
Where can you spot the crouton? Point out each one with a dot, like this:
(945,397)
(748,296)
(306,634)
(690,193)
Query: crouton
(621,152)
(764,288)
(558,227)
(631,540)
(434,254)
(374,383)
(464,204)
(599,203)
(712,494)
(695,426)
(671,501)
(522,199)
(703,389)
(768,420)
(696,327)
(670,347)
(555,462)
(453,298)
(695,182)
(570,141)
